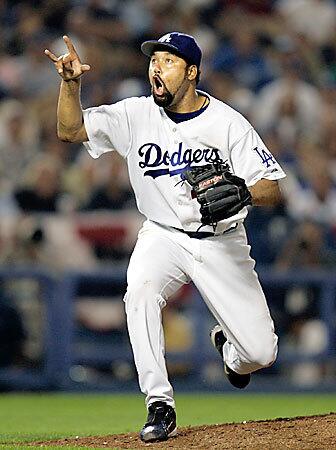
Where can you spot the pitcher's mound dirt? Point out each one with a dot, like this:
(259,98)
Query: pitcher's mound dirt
(299,433)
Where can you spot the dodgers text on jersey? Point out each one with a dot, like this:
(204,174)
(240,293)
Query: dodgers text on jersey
(159,161)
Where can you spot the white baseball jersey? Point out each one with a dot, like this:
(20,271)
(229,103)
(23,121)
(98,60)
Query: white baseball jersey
(158,150)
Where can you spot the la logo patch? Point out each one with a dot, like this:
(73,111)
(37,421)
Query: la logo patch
(266,158)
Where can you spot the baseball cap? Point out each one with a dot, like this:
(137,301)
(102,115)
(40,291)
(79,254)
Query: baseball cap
(181,44)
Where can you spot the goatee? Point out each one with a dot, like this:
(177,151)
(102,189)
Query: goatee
(164,100)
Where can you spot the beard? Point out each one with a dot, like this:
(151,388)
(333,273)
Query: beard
(164,100)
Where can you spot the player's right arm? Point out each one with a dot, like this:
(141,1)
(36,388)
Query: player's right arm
(70,123)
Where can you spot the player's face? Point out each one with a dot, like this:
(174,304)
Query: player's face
(168,78)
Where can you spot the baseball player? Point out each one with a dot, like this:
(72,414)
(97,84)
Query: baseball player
(195,164)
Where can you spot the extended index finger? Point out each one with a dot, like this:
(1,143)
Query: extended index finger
(51,55)
(70,45)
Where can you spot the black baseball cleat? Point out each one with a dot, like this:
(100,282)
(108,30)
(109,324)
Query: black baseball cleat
(218,340)
(161,423)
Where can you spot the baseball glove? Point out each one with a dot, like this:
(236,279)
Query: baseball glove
(220,193)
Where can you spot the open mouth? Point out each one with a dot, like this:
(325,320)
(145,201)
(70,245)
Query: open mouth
(158,86)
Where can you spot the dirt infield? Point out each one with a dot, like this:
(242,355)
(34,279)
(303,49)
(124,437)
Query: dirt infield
(299,433)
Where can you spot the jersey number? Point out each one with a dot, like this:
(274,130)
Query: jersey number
(266,157)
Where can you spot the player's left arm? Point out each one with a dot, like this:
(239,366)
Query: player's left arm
(265,193)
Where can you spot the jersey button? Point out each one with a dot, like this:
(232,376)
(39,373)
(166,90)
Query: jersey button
(174,129)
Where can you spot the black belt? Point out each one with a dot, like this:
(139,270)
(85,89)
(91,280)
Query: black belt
(203,234)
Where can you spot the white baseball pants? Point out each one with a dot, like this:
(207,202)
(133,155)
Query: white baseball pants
(222,270)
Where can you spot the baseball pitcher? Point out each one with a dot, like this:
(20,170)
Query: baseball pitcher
(195,165)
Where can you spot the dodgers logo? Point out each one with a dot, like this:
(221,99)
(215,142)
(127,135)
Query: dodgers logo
(157,161)
(266,157)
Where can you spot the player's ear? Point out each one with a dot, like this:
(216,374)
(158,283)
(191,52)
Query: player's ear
(192,72)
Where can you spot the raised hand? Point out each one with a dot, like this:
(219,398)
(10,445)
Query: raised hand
(69,65)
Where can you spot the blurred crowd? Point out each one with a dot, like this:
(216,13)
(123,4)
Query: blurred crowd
(278,69)
(272,60)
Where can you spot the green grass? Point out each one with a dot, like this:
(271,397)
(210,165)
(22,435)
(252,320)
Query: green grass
(30,417)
